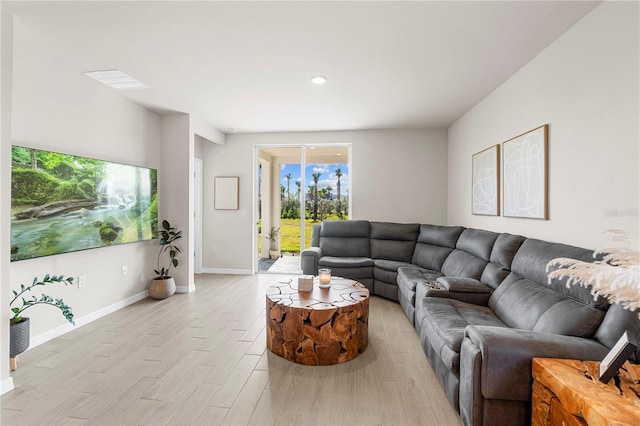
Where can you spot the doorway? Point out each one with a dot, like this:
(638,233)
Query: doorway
(297,187)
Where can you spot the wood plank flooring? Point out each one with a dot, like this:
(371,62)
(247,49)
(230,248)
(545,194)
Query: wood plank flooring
(201,359)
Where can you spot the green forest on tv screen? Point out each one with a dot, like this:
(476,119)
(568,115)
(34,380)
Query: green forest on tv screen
(62,203)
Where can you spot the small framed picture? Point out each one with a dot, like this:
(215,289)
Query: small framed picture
(620,352)
(226,192)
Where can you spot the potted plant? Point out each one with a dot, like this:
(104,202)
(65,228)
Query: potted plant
(163,285)
(19,325)
(273,242)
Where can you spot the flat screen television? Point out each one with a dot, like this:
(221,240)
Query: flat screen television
(62,203)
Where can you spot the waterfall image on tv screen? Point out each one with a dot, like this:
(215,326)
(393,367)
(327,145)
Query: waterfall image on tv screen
(62,203)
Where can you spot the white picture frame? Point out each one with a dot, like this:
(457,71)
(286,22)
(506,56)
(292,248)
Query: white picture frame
(226,192)
(525,175)
(485,182)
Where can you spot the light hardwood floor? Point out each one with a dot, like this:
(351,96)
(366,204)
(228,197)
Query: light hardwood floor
(200,359)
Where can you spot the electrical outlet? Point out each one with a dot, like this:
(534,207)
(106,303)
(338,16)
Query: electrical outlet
(124,270)
(215,249)
(82,281)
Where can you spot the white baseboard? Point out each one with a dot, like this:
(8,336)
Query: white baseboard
(185,288)
(86,319)
(227,271)
(6,385)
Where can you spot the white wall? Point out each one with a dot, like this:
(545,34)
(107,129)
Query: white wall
(58,110)
(397,175)
(585,86)
(176,189)
(6,50)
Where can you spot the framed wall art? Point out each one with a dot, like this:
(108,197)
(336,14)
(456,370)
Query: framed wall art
(525,175)
(225,192)
(62,203)
(485,182)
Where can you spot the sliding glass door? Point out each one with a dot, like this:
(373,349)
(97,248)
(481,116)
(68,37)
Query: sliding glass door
(297,187)
(327,180)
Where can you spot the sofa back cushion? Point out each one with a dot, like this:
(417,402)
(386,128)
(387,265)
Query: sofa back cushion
(315,235)
(522,303)
(477,242)
(505,249)
(471,255)
(393,241)
(524,300)
(502,254)
(462,264)
(531,262)
(435,244)
(345,238)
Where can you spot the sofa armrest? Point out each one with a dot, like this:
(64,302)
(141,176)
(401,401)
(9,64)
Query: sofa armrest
(465,290)
(309,260)
(506,357)
(463,285)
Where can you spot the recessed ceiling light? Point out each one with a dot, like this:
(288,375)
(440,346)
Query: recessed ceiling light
(116,79)
(318,79)
(232,130)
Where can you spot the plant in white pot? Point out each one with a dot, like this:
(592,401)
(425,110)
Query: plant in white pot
(19,324)
(273,242)
(163,285)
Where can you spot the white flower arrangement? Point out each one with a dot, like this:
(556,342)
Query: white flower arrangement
(616,277)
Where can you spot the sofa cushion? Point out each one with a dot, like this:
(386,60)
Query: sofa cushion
(345,238)
(505,249)
(315,235)
(443,236)
(494,274)
(387,270)
(389,265)
(428,256)
(524,304)
(410,276)
(344,262)
(462,264)
(477,242)
(393,241)
(531,262)
(435,244)
(444,321)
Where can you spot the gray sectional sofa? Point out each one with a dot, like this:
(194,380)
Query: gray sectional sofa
(480,302)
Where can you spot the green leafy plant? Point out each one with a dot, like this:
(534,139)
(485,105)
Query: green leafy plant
(168,236)
(44,299)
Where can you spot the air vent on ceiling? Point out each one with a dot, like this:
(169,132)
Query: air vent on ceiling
(116,79)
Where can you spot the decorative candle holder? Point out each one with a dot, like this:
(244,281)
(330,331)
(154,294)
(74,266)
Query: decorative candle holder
(324,276)
(305,283)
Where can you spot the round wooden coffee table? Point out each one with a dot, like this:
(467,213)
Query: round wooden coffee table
(320,327)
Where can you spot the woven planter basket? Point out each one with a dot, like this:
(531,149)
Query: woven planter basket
(19,338)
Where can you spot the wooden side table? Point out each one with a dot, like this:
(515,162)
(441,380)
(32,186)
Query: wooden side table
(568,392)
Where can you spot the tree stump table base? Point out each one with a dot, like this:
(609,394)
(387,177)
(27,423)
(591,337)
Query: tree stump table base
(320,327)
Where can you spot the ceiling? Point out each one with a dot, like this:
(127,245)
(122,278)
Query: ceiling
(247,65)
